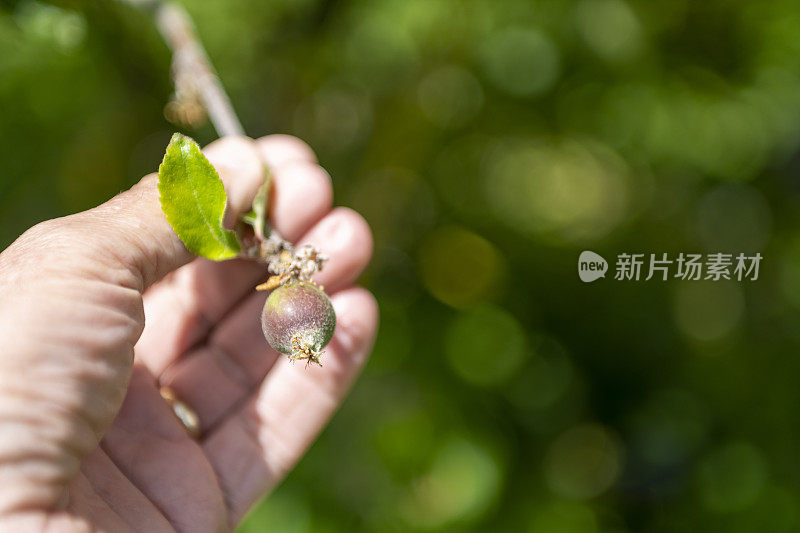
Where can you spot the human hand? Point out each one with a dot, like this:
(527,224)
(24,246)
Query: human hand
(79,367)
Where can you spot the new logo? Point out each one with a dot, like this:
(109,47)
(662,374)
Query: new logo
(591,266)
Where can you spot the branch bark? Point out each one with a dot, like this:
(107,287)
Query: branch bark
(192,73)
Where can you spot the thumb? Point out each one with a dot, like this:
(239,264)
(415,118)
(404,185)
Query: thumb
(129,236)
(67,340)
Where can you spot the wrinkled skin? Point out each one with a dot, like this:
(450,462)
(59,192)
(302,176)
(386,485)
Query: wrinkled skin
(297,319)
(101,307)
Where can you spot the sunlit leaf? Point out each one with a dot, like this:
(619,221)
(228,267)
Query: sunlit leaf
(193,199)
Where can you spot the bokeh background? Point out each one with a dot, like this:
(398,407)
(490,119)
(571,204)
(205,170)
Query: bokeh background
(489,142)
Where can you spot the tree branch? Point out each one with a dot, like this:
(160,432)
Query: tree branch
(192,73)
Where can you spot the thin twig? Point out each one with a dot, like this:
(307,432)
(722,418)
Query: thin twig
(194,78)
(192,71)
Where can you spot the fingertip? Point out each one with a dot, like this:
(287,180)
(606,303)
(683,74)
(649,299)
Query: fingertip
(234,152)
(239,165)
(279,149)
(345,237)
(357,317)
(303,194)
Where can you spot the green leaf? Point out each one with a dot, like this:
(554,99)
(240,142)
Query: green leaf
(258,217)
(193,199)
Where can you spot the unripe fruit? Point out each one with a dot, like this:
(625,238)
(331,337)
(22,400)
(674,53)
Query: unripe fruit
(298,320)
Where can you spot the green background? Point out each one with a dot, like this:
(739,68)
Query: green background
(489,142)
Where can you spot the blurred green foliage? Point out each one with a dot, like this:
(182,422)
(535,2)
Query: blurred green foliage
(488,142)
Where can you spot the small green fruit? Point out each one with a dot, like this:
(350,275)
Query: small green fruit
(298,320)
